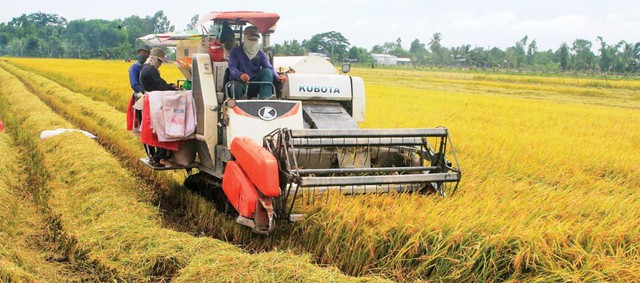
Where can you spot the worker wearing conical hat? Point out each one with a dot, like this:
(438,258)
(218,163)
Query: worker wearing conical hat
(151,81)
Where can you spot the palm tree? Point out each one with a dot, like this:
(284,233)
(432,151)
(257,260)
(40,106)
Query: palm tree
(563,56)
(436,47)
(630,55)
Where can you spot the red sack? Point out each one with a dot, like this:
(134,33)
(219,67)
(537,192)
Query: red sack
(131,116)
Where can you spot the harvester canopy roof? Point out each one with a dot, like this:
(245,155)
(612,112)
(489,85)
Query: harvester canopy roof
(169,38)
(263,21)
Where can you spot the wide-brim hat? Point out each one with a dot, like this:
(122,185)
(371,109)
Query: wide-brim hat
(158,52)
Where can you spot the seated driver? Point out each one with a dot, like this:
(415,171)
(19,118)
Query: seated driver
(248,63)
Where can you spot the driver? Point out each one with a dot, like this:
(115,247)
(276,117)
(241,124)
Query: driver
(247,63)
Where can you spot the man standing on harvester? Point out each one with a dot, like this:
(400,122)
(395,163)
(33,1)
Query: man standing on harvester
(135,116)
(150,76)
(158,152)
(247,63)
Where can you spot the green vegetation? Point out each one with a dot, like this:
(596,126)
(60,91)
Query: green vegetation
(50,35)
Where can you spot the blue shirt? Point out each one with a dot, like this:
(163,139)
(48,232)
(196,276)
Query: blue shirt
(239,63)
(134,77)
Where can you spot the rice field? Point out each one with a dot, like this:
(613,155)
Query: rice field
(549,192)
(101,211)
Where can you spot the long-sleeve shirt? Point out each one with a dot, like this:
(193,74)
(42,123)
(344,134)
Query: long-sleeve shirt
(150,79)
(134,77)
(239,63)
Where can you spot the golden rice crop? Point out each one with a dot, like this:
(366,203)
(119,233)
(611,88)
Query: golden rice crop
(605,82)
(101,80)
(565,79)
(549,187)
(97,201)
(595,91)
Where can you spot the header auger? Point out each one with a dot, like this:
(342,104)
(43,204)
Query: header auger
(364,161)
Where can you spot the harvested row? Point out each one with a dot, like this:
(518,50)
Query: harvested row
(534,205)
(34,246)
(99,206)
(18,261)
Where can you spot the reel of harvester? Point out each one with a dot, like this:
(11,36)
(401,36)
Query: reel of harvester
(360,161)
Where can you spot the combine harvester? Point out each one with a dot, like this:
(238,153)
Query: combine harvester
(260,156)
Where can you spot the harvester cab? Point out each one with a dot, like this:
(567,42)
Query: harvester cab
(255,158)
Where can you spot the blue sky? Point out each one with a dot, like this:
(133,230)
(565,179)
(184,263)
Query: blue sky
(485,23)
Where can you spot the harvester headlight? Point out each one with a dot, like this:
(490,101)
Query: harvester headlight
(231,103)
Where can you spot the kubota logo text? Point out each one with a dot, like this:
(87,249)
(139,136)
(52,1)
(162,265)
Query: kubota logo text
(318,88)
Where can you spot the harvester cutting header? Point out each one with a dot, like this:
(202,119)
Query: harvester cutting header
(259,154)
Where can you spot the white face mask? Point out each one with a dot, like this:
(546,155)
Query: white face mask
(155,61)
(251,48)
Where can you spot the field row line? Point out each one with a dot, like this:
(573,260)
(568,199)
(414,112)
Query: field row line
(524,78)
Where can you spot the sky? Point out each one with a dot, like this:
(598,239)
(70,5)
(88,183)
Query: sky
(482,23)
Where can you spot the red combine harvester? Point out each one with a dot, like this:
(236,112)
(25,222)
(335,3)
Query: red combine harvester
(259,156)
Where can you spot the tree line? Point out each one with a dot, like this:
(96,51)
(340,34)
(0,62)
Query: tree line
(49,35)
(619,58)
